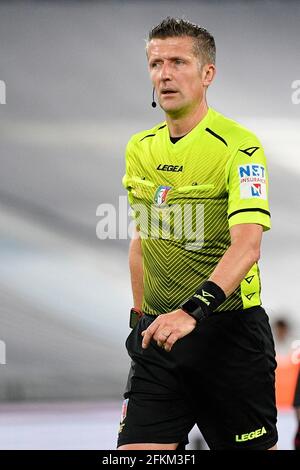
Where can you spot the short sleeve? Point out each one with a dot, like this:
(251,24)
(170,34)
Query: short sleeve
(126,180)
(248,185)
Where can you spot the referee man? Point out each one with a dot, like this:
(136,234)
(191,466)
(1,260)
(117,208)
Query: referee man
(201,347)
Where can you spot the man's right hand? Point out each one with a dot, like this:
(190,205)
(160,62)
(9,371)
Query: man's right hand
(168,328)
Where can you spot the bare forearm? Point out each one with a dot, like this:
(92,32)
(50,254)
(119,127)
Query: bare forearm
(238,259)
(233,266)
(136,272)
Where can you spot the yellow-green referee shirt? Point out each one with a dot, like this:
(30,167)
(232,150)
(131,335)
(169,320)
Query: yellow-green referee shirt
(185,197)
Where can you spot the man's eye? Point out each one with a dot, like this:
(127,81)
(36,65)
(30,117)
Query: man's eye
(154,65)
(179,61)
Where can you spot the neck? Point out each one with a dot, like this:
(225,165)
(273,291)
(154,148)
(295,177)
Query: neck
(182,124)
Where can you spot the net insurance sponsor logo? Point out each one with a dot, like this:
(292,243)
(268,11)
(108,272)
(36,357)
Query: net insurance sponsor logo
(252,181)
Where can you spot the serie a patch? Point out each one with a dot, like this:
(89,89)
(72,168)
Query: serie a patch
(252,181)
(161,195)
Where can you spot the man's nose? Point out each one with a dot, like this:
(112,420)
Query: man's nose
(165,72)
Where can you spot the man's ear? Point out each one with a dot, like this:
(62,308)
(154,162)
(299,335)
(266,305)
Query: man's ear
(208,74)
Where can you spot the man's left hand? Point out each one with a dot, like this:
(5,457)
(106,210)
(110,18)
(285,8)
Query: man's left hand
(168,328)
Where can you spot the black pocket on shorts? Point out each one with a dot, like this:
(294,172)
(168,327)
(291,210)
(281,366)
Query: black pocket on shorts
(249,323)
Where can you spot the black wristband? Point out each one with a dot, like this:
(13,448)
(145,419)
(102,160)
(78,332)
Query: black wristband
(206,299)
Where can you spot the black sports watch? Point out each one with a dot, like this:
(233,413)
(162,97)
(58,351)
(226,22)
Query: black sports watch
(135,315)
(194,308)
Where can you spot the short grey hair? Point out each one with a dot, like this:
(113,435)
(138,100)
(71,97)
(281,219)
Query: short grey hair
(204,43)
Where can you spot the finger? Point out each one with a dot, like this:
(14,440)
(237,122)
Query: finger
(165,334)
(148,333)
(170,342)
(161,334)
(160,338)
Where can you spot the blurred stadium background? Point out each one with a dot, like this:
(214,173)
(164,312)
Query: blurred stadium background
(76,89)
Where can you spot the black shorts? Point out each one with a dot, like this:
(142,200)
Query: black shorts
(220,377)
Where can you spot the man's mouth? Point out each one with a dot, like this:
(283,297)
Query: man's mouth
(168,92)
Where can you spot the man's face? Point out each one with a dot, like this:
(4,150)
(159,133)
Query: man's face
(176,74)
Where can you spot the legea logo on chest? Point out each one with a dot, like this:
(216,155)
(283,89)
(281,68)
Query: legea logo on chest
(175,168)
